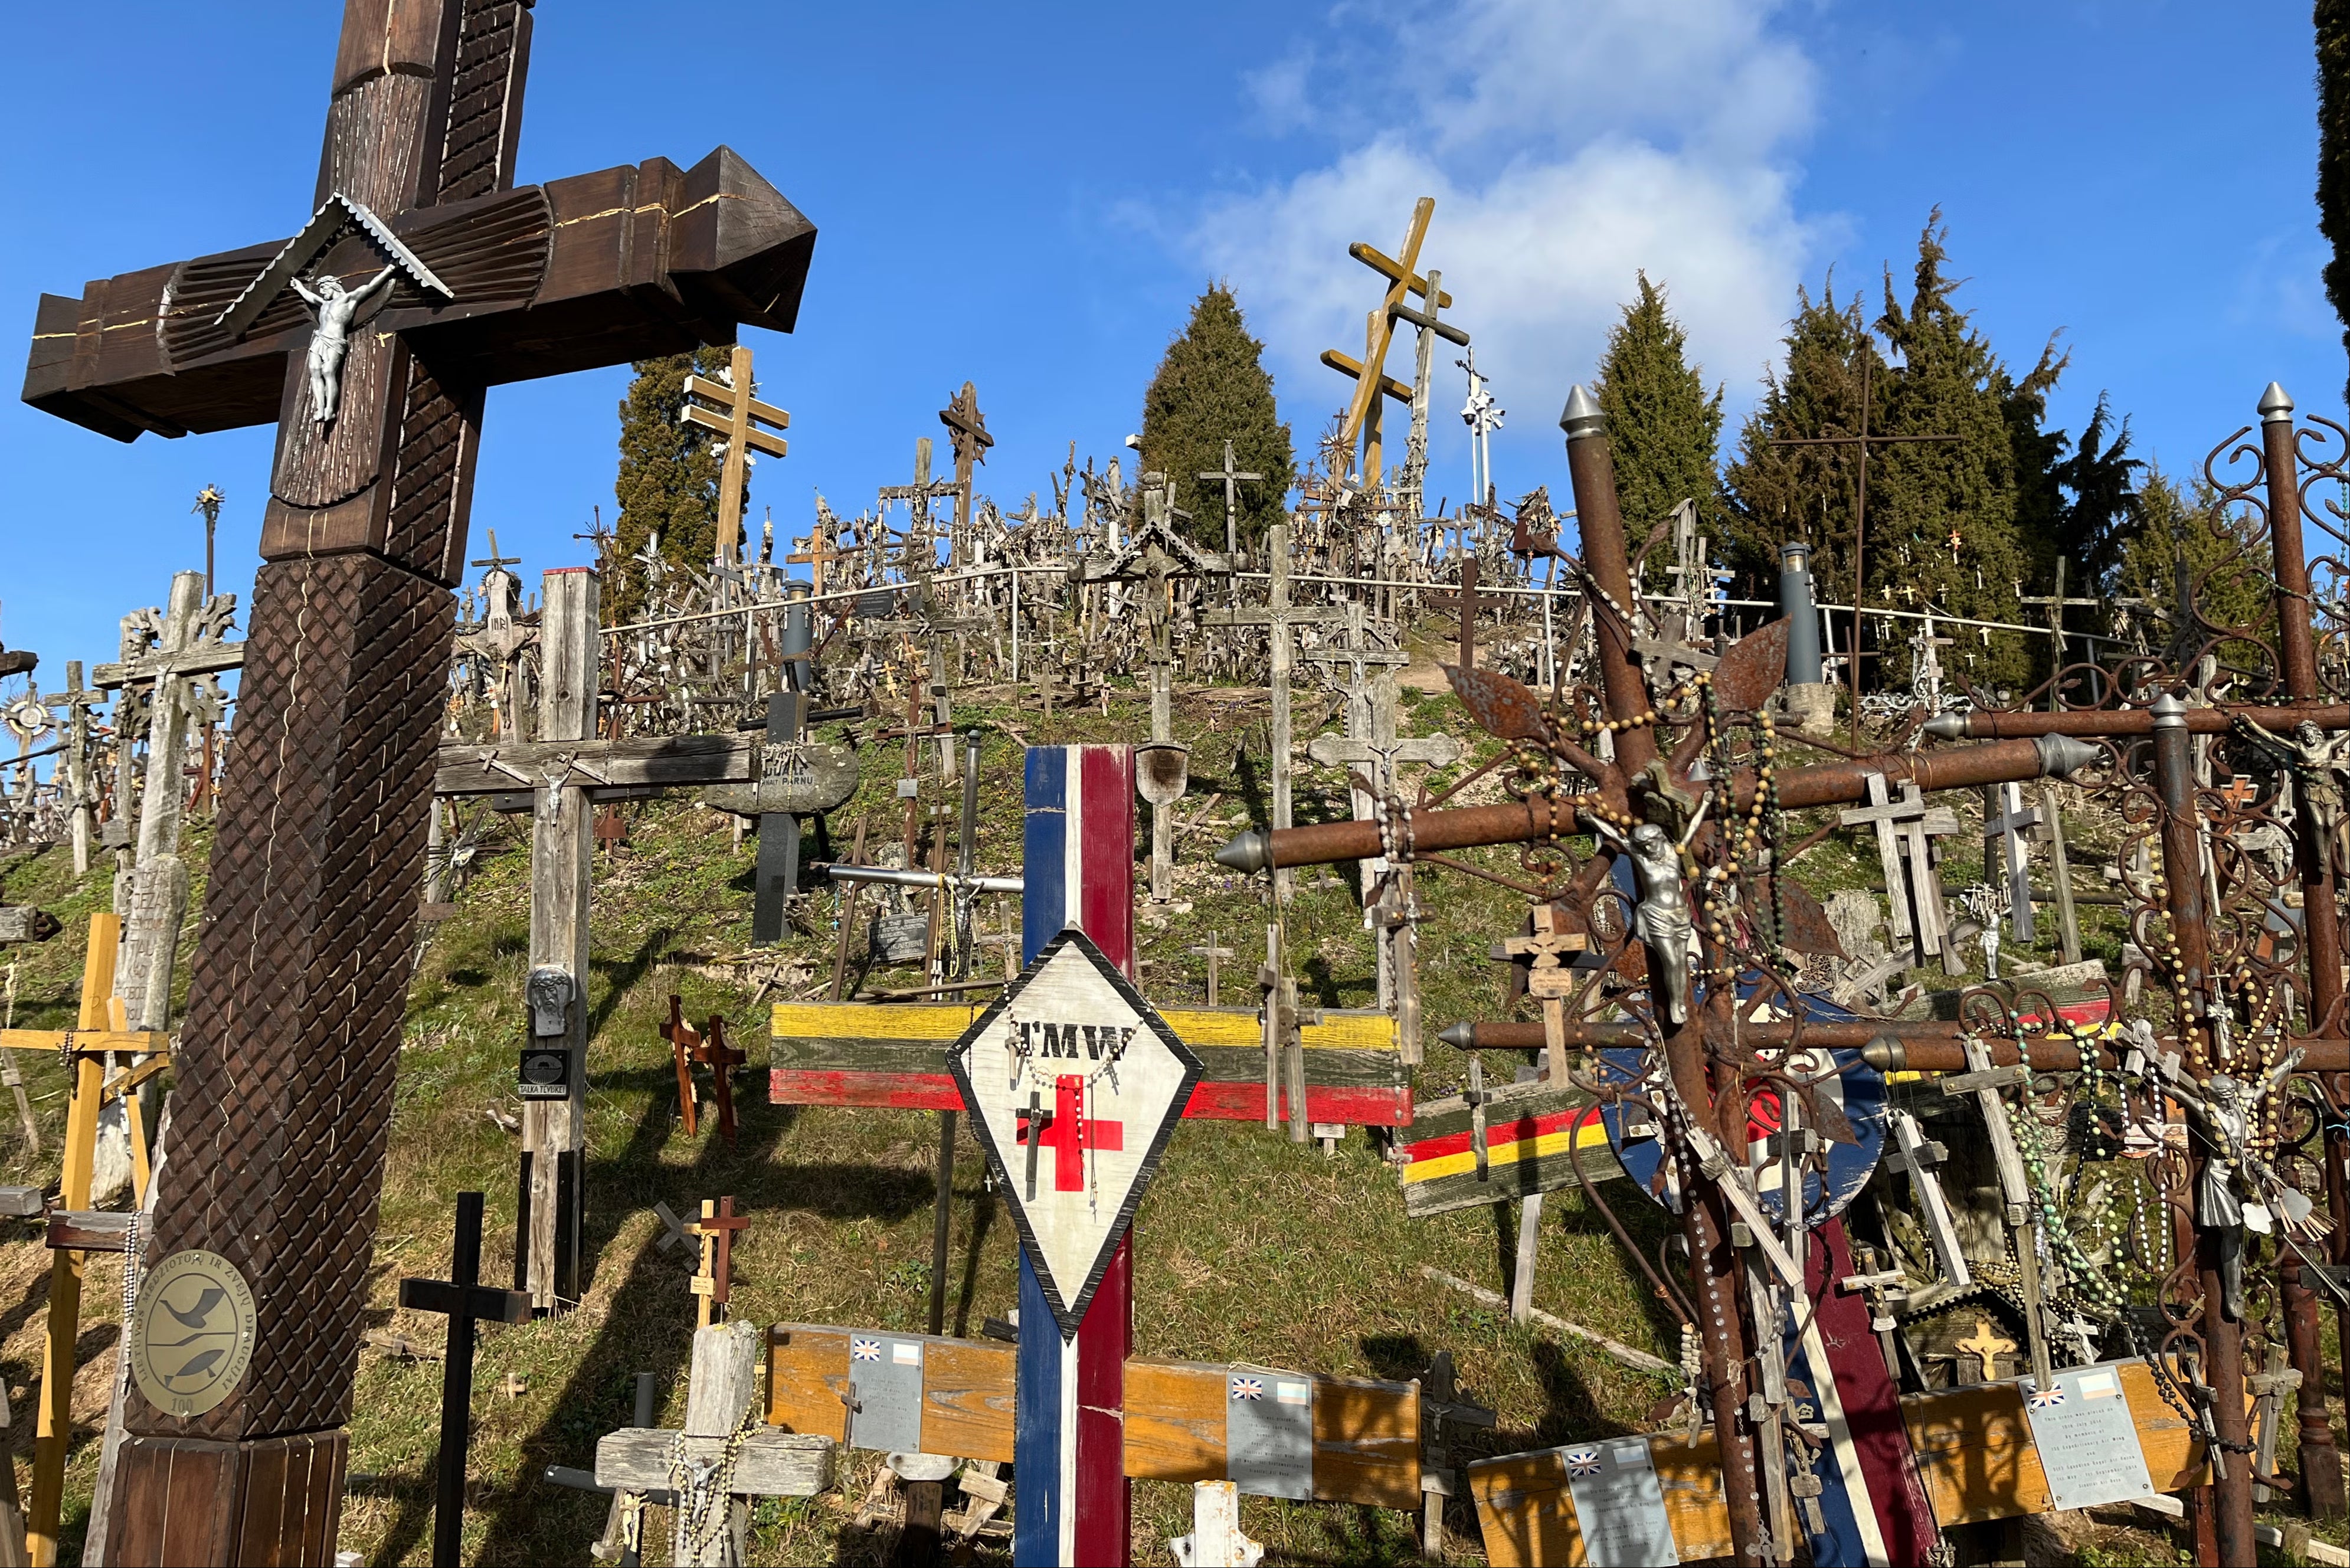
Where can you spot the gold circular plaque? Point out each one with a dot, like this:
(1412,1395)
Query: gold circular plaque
(191,1333)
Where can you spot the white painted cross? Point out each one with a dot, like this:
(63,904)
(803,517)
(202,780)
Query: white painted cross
(1903,830)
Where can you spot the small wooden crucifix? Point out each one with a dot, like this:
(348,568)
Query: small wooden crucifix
(716,1228)
(464,1301)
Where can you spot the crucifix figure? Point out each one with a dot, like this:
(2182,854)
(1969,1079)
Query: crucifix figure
(1661,917)
(2318,763)
(334,311)
(319,847)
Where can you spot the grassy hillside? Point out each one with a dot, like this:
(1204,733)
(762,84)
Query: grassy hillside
(1248,1247)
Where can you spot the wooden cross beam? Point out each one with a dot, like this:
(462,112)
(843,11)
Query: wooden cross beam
(1467,602)
(1370,376)
(722,1059)
(1911,885)
(684,1039)
(736,414)
(967,437)
(2003,834)
(363,537)
(1231,476)
(464,1301)
(76,703)
(712,1280)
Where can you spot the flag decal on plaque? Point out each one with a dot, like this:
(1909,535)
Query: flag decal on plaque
(1075,1084)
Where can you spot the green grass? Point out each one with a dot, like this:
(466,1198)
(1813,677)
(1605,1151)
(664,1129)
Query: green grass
(1248,1247)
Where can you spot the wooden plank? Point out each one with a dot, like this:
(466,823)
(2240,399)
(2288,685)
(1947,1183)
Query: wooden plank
(1527,1129)
(662,760)
(1174,1420)
(772,1464)
(144,1042)
(853,1053)
(807,1379)
(1527,1515)
(1976,1455)
(968,1398)
(1366,1442)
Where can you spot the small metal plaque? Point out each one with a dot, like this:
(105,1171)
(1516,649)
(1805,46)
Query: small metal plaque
(885,1389)
(192,1334)
(1618,1506)
(545,1075)
(1269,1432)
(2086,1437)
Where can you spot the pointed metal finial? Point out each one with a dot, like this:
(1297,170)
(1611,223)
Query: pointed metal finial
(1581,416)
(1947,726)
(2276,403)
(1249,852)
(1459,1036)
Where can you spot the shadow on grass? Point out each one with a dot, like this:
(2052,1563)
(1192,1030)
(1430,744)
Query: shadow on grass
(621,979)
(1650,1225)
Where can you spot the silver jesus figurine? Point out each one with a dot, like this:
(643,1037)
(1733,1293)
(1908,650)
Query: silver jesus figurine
(334,309)
(1662,917)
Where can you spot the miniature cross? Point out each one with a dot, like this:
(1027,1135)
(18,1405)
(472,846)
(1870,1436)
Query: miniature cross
(684,1039)
(1214,955)
(712,1279)
(722,1059)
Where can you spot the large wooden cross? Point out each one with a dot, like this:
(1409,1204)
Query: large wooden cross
(737,416)
(967,437)
(285,1088)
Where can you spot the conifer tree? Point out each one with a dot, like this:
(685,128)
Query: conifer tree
(668,481)
(1212,387)
(1778,493)
(2183,544)
(2101,508)
(2332,19)
(1663,429)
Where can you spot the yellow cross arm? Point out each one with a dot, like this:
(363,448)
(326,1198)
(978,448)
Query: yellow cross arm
(1347,365)
(139,1040)
(755,438)
(720,392)
(1388,268)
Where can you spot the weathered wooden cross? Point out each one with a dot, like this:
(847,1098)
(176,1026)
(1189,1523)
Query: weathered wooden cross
(75,703)
(2006,820)
(1369,374)
(716,1277)
(1913,887)
(1231,476)
(967,437)
(736,414)
(1468,603)
(299,978)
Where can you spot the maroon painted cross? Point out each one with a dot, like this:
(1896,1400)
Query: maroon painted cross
(1068,1132)
(684,1039)
(717,1225)
(722,1059)
(418,277)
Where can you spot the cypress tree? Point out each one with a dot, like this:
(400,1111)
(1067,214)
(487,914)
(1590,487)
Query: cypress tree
(1662,428)
(1212,387)
(668,481)
(1947,518)
(2100,477)
(1777,493)
(2183,543)
(2332,19)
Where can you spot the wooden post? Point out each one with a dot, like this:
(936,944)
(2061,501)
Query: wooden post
(54,1429)
(463,1298)
(723,1384)
(1071,1500)
(76,703)
(562,863)
(1522,1283)
(1216,1540)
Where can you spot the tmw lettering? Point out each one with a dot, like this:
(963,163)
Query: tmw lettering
(1075,1041)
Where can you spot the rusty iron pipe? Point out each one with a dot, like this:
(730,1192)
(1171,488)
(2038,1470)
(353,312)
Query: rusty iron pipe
(1542,817)
(1989,725)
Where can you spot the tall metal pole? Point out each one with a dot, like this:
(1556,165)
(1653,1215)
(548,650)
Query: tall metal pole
(1713,1262)
(2223,1335)
(2321,1461)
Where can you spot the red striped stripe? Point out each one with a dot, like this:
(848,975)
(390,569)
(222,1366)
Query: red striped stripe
(1383,1108)
(1525,1130)
(1105,813)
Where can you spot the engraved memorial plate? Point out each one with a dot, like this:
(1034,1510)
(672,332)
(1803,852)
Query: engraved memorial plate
(1618,1505)
(2086,1436)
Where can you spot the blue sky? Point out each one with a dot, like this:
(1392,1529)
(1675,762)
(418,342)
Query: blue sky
(1029,198)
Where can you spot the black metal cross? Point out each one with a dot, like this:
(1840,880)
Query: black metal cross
(464,1301)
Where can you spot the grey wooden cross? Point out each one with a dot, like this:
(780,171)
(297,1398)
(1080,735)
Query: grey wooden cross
(1232,477)
(1904,846)
(1277,616)
(2004,837)
(75,703)
(1214,955)
(497,639)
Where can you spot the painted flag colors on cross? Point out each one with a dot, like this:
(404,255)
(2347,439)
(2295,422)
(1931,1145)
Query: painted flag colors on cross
(1075,1084)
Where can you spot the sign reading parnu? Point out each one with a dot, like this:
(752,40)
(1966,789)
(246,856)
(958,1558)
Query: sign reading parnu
(1074,1084)
(191,1333)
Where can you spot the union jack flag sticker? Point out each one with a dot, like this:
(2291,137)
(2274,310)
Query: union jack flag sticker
(2048,1401)
(864,1349)
(1581,1463)
(1248,1387)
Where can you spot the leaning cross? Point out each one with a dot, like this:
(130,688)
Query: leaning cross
(711,1281)
(320,848)
(1911,885)
(76,701)
(464,1301)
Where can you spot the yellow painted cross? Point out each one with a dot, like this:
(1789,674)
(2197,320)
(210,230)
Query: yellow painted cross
(737,416)
(1371,374)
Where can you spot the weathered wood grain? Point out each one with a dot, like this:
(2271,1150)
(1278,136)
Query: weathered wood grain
(654,761)
(773,1464)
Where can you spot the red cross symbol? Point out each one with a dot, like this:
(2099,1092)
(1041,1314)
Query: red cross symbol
(1068,1133)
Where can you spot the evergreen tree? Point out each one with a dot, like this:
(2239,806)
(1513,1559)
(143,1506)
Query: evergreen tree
(2332,19)
(2099,477)
(1778,493)
(1947,518)
(2184,544)
(668,481)
(1212,388)
(1662,428)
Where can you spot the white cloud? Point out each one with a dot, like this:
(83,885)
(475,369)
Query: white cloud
(1567,146)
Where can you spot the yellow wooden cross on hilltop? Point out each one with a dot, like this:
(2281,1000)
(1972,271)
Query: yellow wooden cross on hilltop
(1369,373)
(737,416)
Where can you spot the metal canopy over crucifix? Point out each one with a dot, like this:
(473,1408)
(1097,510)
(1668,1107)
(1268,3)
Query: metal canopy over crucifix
(299,980)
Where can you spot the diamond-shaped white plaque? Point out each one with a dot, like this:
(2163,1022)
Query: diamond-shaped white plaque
(1072,1045)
